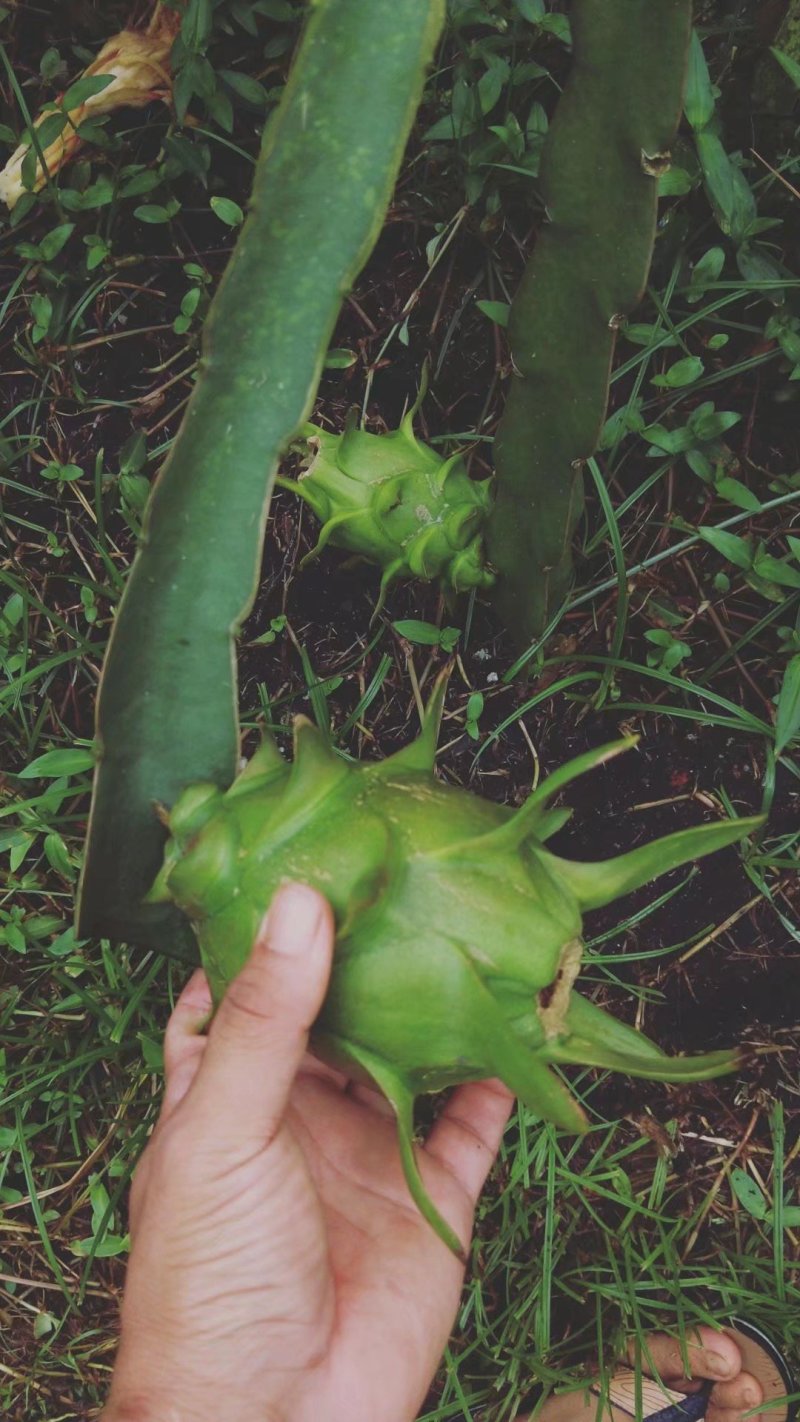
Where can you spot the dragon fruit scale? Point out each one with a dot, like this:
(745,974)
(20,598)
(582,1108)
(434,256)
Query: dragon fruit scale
(458,932)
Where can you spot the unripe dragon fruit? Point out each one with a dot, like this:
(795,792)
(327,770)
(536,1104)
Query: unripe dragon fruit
(396,502)
(458,932)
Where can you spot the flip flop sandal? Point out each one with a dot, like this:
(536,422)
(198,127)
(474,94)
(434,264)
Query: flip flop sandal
(660,1403)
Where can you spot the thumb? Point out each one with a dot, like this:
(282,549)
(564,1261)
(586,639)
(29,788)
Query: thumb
(260,1032)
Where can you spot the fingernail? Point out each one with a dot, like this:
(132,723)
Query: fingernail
(750,1396)
(293,921)
(717,1365)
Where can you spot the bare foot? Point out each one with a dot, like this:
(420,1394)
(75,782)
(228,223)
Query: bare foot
(712,1356)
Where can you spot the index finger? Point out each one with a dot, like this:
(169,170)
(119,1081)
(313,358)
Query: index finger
(467,1135)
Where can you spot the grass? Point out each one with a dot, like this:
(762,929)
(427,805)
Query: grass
(647,1221)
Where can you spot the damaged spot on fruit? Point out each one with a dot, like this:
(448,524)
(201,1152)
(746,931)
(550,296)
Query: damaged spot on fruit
(555,998)
(655,164)
(546,994)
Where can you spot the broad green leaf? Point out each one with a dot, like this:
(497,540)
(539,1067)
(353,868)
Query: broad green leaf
(196,24)
(50,128)
(675,182)
(475,706)
(152,213)
(738,493)
(108,1247)
(788,64)
(626,420)
(424,633)
(53,241)
(699,99)
(700,464)
(706,423)
(735,549)
(247,88)
(98,194)
(62,473)
(756,264)
(748,1193)
(682,372)
(56,763)
(559,26)
(497,311)
(339,358)
(84,89)
(41,309)
(492,83)
(775,570)
(787,726)
(227,211)
(670,441)
(449,128)
(708,269)
(57,855)
(728,190)
(140,184)
(532,10)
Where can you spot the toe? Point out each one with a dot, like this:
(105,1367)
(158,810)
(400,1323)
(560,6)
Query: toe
(704,1354)
(736,1397)
(725,1414)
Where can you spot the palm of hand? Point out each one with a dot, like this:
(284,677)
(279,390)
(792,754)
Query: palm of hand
(279,1268)
(395,1285)
(300,1272)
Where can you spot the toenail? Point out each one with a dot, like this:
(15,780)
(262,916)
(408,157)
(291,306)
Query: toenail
(718,1365)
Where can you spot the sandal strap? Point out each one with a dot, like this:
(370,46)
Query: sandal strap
(658,1402)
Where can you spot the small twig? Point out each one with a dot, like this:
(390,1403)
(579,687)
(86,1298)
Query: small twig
(722,928)
(725,639)
(775,173)
(717,1186)
(113,336)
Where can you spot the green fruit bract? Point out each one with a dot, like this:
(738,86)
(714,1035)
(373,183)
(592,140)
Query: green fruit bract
(458,932)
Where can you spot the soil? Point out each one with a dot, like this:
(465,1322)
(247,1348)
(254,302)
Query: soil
(741,985)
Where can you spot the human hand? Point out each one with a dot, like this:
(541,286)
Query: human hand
(280,1271)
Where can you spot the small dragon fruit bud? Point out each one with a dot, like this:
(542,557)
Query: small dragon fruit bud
(395,501)
(458,932)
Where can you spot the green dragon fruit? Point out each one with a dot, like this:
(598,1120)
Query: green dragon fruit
(396,502)
(458,933)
